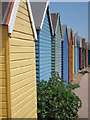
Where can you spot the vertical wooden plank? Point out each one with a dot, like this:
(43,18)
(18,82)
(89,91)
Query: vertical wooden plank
(1,62)
(3,77)
(8,77)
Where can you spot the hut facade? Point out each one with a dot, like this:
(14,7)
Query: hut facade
(73,52)
(43,26)
(76,53)
(83,52)
(65,44)
(56,43)
(17,61)
(70,61)
(80,54)
(88,53)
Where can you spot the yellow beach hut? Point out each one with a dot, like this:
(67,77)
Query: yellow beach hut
(73,52)
(18,98)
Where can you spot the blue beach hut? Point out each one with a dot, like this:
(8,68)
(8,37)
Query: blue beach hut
(43,26)
(65,44)
(56,43)
(88,53)
(76,52)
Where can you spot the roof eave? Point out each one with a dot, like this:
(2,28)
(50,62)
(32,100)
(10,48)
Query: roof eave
(47,4)
(13,17)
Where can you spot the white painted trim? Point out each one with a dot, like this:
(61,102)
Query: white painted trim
(32,20)
(13,16)
(51,23)
(47,4)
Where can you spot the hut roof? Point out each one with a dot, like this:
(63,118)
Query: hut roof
(73,34)
(70,34)
(54,18)
(80,38)
(88,46)
(63,27)
(83,42)
(39,10)
(5,11)
(9,12)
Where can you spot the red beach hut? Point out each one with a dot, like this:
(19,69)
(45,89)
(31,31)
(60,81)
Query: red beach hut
(70,61)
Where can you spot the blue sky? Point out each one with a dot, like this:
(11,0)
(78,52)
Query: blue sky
(74,15)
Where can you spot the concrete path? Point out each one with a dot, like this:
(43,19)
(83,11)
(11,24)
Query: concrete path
(82,92)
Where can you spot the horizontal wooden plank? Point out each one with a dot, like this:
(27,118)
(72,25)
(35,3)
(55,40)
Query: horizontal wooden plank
(23,103)
(29,110)
(21,56)
(22,83)
(22,63)
(35,116)
(22,70)
(21,42)
(23,11)
(2,82)
(24,1)
(3,97)
(2,89)
(22,36)
(3,112)
(24,108)
(24,29)
(23,17)
(23,5)
(22,22)
(32,113)
(3,105)
(3,117)
(23,76)
(21,90)
(23,96)
(19,49)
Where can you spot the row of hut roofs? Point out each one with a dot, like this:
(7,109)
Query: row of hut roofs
(33,44)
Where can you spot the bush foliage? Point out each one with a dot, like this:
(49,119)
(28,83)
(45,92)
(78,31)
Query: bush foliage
(56,101)
(83,72)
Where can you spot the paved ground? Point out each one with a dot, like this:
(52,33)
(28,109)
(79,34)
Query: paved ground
(82,92)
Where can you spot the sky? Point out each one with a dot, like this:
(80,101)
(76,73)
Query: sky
(74,15)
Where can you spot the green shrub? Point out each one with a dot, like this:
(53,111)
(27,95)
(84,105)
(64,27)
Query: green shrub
(83,72)
(56,101)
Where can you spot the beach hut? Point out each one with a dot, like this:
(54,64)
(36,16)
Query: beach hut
(83,52)
(80,53)
(88,53)
(18,97)
(70,61)
(44,29)
(65,44)
(73,51)
(76,52)
(56,43)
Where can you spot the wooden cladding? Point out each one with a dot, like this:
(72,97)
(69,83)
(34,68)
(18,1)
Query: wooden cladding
(70,57)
